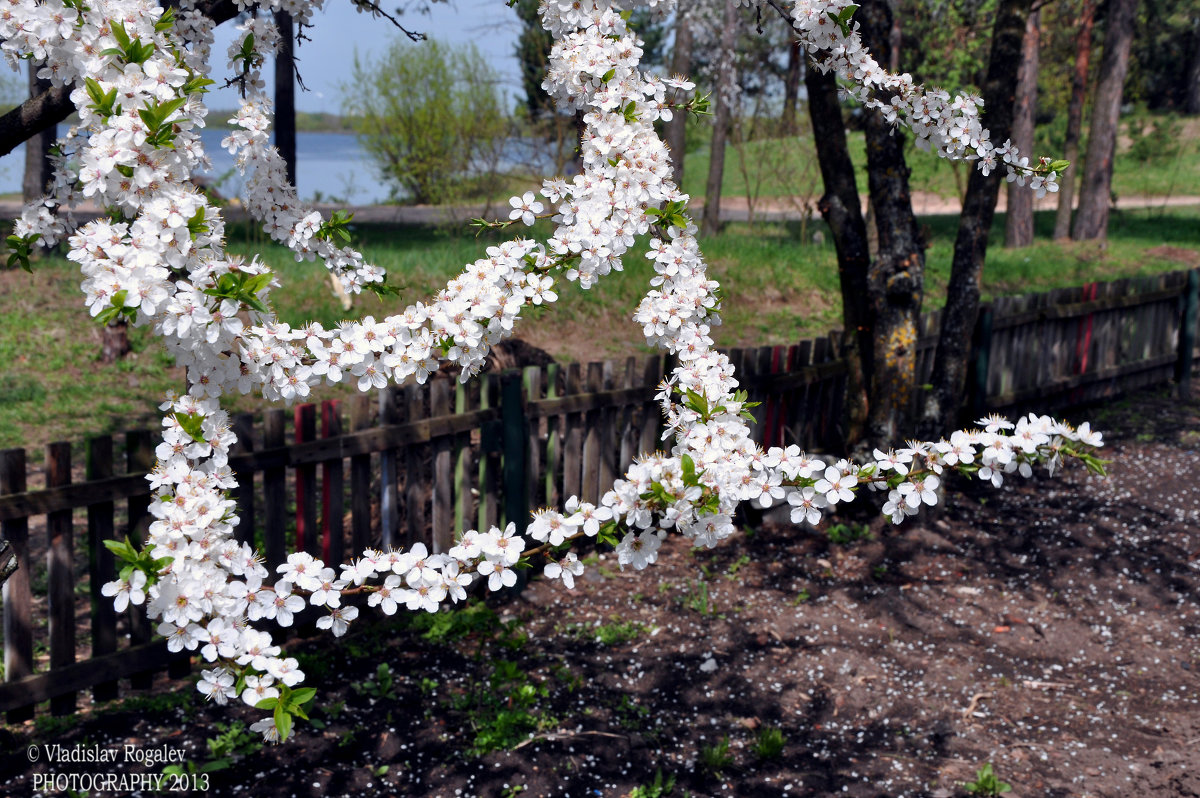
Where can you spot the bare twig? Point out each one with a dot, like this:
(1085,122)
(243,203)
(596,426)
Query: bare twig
(8,561)
(975,699)
(556,736)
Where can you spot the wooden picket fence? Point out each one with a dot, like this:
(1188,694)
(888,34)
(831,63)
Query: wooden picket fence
(417,463)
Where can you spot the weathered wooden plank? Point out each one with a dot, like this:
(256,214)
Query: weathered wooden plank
(139,459)
(515,441)
(18,600)
(274,493)
(101,527)
(60,574)
(443,503)
(1098,376)
(490,444)
(466,398)
(29,690)
(651,414)
(416,476)
(360,479)
(243,494)
(625,428)
(333,488)
(554,439)
(610,443)
(391,412)
(590,486)
(1119,298)
(305,430)
(532,378)
(573,451)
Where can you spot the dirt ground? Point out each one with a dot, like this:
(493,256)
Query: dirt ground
(1050,628)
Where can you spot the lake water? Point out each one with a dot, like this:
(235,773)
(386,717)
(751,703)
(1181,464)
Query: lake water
(329,165)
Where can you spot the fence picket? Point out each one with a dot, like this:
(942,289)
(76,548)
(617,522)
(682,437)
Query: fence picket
(304,430)
(360,479)
(139,458)
(60,573)
(18,600)
(274,494)
(443,505)
(243,494)
(333,488)
(101,527)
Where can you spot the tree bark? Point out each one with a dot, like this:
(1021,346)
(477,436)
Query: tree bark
(970,246)
(896,279)
(681,64)
(1018,227)
(841,209)
(1091,220)
(285,93)
(791,89)
(1066,184)
(1191,103)
(38,170)
(8,561)
(710,223)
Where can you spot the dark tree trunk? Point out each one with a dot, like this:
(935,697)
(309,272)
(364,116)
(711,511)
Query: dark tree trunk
(114,341)
(681,64)
(285,93)
(970,246)
(791,89)
(1191,103)
(896,278)
(1066,184)
(841,209)
(1018,227)
(38,170)
(711,221)
(1091,220)
(8,561)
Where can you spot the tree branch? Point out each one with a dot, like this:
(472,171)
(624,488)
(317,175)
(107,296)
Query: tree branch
(8,561)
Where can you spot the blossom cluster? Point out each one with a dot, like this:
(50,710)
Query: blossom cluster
(159,260)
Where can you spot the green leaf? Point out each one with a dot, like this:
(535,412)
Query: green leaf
(123,549)
(609,75)
(267,703)
(303,695)
(283,722)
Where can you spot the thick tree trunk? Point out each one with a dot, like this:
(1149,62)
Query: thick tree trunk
(38,171)
(896,279)
(970,246)
(711,221)
(842,210)
(285,93)
(791,89)
(681,64)
(1018,228)
(114,341)
(1091,220)
(1066,184)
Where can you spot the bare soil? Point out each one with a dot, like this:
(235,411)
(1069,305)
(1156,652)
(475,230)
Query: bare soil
(1050,628)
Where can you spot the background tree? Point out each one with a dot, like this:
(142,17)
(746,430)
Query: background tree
(724,96)
(285,93)
(38,170)
(426,114)
(1079,84)
(681,64)
(1018,222)
(1095,189)
(970,245)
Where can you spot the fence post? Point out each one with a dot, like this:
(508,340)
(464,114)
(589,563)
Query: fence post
(332,488)
(18,627)
(360,479)
(512,413)
(274,493)
(981,359)
(1187,334)
(60,574)
(243,494)
(389,499)
(100,561)
(305,430)
(139,457)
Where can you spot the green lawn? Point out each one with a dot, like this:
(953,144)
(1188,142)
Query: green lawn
(777,290)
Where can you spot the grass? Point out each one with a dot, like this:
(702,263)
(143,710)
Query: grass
(777,289)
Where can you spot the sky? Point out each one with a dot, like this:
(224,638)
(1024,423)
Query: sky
(325,63)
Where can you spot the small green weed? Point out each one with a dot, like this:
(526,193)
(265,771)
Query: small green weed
(608,634)
(659,788)
(986,784)
(380,687)
(801,597)
(769,743)
(845,534)
(233,743)
(716,758)
(736,566)
(698,599)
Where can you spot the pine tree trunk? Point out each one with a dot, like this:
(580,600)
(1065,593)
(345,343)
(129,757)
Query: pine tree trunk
(285,94)
(1066,184)
(970,246)
(1091,220)
(38,170)
(1018,228)
(896,278)
(711,221)
(791,89)
(681,64)
(841,209)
